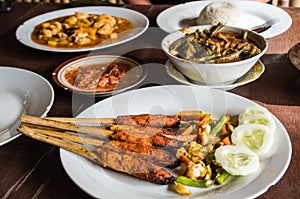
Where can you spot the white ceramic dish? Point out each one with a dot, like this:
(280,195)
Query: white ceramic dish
(294,55)
(254,73)
(34,91)
(104,183)
(213,73)
(132,78)
(184,15)
(140,23)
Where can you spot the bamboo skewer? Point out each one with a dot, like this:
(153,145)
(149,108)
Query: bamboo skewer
(76,148)
(95,130)
(67,136)
(84,120)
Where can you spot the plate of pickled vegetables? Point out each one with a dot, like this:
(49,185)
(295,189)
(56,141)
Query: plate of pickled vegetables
(226,146)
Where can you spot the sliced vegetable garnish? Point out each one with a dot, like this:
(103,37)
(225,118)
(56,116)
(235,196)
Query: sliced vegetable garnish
(253,110)
(262,119)
(237,160)
(256,137)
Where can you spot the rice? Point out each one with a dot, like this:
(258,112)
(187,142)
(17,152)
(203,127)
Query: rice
(227,13)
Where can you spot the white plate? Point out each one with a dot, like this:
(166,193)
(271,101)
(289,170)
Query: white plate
(140,25)
(34,90)
(104,183)
(254,73)
(174,18)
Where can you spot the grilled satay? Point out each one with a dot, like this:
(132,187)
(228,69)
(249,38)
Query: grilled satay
(134,166)
(160,156)
(150,131)
(148,120)
(159,139)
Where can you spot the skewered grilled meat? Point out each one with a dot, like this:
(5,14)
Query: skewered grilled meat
(149,131)
(134,166)
(139,138)
(148,120)
(159,156)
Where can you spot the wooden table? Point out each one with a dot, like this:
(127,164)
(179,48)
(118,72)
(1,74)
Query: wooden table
(32,169)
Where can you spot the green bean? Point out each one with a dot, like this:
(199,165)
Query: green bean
(215,130)
(254,50)
(230,57)
(206,32)
(206,57)
(202,34)
(194,183)
(216,28)
(245,34)
(223,175)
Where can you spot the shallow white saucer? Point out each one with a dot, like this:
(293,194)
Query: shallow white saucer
(254,73)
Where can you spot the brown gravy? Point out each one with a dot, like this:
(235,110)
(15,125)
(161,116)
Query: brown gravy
(96,77)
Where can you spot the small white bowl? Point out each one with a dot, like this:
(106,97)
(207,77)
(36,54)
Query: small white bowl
(210,73)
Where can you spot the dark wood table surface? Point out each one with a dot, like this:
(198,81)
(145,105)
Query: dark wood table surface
(32,169)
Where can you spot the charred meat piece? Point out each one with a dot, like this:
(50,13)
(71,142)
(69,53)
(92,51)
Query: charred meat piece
(137,167)
(159,156)
(148,120)
(150,131)
(139,138)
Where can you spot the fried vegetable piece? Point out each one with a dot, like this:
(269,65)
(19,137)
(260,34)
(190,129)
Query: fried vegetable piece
(181,189)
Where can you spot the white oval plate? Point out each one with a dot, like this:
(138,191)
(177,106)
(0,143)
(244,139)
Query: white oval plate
(34,90)
(140,25)
(174,18)
(254,73)
(107,184)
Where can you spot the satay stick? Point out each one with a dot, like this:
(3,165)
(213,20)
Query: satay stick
(108,121)
(148,130)
(94,130)
(75,148)
(67,136)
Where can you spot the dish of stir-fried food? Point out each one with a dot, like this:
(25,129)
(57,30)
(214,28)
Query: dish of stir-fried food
(80,30)
(97,77)
(206,151)
(214,46)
